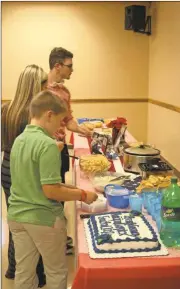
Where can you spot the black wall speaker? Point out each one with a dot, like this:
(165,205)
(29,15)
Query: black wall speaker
(135,18)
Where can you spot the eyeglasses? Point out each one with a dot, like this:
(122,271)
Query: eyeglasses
(68,65)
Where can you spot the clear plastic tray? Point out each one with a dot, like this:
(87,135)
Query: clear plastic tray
(101,180)
(100,205)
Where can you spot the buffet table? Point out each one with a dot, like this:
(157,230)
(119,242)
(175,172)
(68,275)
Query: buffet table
(127,273)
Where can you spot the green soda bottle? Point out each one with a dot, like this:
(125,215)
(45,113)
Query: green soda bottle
(170,215)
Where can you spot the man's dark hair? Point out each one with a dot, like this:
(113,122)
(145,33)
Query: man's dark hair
(57,55)
(44,101)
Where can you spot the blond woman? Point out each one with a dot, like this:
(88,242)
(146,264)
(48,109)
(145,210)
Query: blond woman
(14,118)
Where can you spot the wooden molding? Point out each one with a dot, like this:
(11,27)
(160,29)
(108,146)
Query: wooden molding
(5,100)
(165,105)
(108,100)
(121,100)
(100,100)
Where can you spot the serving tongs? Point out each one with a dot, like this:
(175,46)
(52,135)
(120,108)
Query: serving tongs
(120,178)
(73,157)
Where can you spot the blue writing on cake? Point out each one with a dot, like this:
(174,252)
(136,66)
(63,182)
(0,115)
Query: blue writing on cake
(121,224)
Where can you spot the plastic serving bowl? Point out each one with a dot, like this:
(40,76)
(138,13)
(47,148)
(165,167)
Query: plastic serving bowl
(117,196)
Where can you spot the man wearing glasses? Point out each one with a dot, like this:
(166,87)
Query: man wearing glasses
(61,68)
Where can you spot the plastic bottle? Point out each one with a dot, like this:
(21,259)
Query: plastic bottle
(170,215)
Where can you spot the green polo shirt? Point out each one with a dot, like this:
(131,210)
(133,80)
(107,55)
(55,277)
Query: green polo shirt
(34,161)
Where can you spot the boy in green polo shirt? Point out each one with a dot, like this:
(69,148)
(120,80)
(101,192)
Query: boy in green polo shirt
(35,214)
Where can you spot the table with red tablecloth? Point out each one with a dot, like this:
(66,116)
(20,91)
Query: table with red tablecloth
(162,272)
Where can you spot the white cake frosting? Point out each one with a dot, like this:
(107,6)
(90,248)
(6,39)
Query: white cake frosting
(122,232)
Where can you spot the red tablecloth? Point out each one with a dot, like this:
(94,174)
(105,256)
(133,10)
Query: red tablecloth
(126,273)
(134,273)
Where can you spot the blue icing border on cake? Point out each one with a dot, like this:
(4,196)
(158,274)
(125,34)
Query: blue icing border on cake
(153,239)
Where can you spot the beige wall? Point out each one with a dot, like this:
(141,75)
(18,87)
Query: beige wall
(135,113)
(109,62)
(164,79)
(164,132)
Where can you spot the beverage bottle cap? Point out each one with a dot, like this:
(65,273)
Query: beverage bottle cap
(174,180)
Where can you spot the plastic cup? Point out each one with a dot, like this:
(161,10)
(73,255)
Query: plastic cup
(153,201)
(158,207)
(136,202)
(147,200)
(158,222)
(157,211)
(144,200)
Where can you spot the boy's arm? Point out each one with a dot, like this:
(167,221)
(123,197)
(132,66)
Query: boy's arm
(61,193)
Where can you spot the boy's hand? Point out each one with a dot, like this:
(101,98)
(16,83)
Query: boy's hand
(91,197)
(60,145)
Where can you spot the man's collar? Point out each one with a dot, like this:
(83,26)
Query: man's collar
(56,84)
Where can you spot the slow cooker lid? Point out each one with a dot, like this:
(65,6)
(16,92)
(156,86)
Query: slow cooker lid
(142,150)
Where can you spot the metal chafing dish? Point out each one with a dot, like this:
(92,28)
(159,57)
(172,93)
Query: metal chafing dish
(133,156)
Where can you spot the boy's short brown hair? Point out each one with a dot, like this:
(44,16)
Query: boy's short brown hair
(44,101)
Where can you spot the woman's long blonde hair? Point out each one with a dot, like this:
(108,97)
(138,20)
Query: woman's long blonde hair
(15,115)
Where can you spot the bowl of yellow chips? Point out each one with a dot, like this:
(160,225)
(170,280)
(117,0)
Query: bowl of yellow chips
(154,182)
(93,164)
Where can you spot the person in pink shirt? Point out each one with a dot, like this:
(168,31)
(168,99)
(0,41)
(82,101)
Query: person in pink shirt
(61,68)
